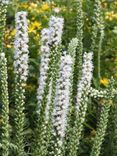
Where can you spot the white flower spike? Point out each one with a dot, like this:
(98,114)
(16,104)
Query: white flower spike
(21,46)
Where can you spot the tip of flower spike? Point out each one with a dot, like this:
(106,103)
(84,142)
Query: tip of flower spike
(88,55)
(54,19)
(20,13)
(4,1)
(2,55)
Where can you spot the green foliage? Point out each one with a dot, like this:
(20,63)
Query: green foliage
(93,27)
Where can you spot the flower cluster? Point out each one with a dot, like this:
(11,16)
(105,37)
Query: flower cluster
(62,96)
(56,29)
(21,46)
(102,93)
(72,47)
(98,93)
(48,40)
(44,64)
(34,26)
(111,16)
(81,103)
(85,81)
(4,2)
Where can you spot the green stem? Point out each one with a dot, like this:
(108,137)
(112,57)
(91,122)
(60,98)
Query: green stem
(80,39)
(78,56)
(5,106)
(19,117)
(102,125)
(43,127)
(100,49)
(75,135)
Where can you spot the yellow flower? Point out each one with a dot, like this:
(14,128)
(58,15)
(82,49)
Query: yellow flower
(13,32)
(33,5)
(34,26)
(31,30)
(104,82)
(40,11)
(111,16)
(24,5)
(9,46)
(45,7)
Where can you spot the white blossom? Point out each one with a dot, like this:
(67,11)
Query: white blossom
(48,102)
(21,46)
(45,50)
(85,82)
(57,10)
(2,55)
(4,1)
(51,37)
(56,30)
(102,93)
(62,98)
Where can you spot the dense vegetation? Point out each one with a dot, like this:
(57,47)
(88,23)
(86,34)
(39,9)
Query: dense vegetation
(58,73)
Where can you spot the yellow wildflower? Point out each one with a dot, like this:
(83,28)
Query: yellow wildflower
(9,46)
(45,7)
(104,82)
(24,5)
(40,11)
(111,16)
(34,26)
(31,30)
(13,32)
(33,5)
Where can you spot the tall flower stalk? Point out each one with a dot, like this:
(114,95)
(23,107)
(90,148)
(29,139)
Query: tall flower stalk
(52,39)
(5,106)
(81,104)
(3,11)
(101,28)
(62,102)
(106,102)
(96,23)
(79,36)
(98,27)
(45,57)
(79,51)
(102,125)
(21,73)
(72,51)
